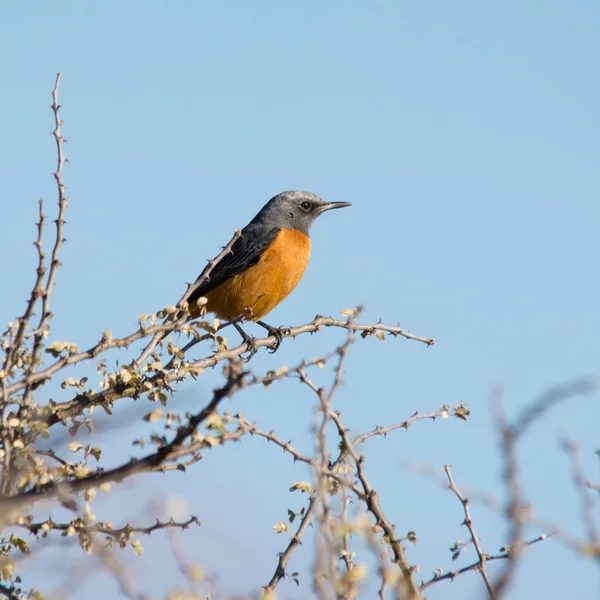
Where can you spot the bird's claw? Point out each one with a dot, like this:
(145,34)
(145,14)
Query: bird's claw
(252,346)
(277,332)
(250,342)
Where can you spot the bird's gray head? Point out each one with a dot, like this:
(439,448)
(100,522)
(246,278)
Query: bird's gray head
(294,210)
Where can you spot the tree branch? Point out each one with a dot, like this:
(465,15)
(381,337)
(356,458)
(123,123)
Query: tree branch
(469,523)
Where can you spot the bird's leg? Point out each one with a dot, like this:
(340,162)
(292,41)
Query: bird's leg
(278,332)
(252,347)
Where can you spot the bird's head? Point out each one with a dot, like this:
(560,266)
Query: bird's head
(295,210)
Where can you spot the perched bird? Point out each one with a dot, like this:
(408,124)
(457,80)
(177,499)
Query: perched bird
(265,263)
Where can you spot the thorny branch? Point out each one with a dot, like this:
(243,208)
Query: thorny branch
(367,494)
(180,319)
(284,556)
(38,340)
(475,540)
(330,470)
(23,371)
(43,527)
(151,462)
(587,504)
(108,343)
(451,575)
(14,352)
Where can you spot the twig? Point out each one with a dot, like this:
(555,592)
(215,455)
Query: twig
(451,575)
(36,292)
(108,343)
(49,525)
(515,510)
(383,431)
(326,543)
(587,505)
(469,524)
(85,401)
(284,556)
(271,437)
(117,570)
(372,502)
(549,399)
(151,462)
(38,338)
(203,278)
(369,495)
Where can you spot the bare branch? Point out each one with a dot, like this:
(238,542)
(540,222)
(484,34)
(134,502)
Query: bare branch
(442,412)
(36,293)
(371,499)
(117,570)
(548,400)
(284,556)
(38,338)
(100,527)
(587,504)
(515,510)
(451,575)
(469,524)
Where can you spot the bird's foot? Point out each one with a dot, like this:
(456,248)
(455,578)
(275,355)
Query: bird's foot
(277,332)
(250,342)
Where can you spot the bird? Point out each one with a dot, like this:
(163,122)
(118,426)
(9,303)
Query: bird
(265,263)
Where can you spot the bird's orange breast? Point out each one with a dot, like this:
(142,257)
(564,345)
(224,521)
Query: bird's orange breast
(264,285)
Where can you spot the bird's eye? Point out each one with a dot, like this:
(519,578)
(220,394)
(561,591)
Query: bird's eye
(306,205)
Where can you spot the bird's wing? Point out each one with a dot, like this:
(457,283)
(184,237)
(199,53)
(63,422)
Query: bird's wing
(245,252)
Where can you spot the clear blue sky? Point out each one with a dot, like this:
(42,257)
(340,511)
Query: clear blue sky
(465,134)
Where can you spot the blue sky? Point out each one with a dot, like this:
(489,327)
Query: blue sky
(466,136)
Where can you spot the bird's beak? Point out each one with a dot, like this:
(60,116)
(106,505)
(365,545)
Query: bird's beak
(330,205)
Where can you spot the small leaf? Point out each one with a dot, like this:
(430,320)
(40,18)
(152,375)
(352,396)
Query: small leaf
(74,446)
(82,472)
(7,568)
(303,486)
(21,544)
(137,547)
(268,380)
(125,375)
(55,348)
(380,335)
(96,451)
(462,412)
(280,527)
(153,416)
(411,536)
